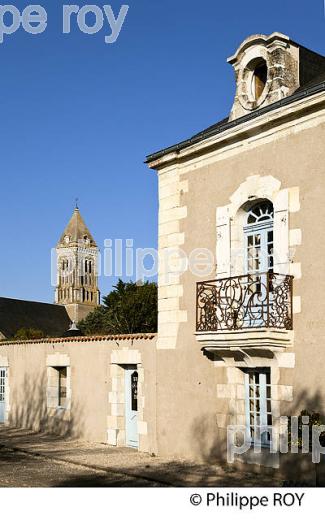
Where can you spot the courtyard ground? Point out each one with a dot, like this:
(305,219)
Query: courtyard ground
(29,459)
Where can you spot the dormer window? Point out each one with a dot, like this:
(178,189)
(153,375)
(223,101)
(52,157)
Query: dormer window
(259,79)
(266,70)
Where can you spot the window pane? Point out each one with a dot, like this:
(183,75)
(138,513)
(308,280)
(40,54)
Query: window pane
(134,391)
(259,404)
(62,386)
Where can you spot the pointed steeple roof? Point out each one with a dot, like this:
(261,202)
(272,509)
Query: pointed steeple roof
(77,231)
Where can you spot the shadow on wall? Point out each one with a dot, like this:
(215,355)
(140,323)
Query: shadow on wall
(29,410)
(209,441)
(296,469)
(305,400)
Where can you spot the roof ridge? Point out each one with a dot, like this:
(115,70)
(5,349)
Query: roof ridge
(219,127)
(29,301)
(84,339)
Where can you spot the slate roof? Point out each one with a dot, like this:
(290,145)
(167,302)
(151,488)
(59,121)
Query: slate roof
(51,319)
(76,230)
(312,87)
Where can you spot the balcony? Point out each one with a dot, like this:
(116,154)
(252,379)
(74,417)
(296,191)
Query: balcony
(245,312)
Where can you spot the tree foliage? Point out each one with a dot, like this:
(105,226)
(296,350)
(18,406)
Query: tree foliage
(26,333)
(130,308)
(311,419)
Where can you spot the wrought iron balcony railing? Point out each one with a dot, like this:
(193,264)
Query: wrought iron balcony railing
(244,302)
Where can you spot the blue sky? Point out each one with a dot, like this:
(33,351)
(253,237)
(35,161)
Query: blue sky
(78,117)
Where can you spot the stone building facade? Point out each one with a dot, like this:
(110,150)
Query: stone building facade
(247,343)
(240,337)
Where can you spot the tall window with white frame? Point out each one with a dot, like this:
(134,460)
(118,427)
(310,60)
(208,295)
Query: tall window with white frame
(258,262)
(259,238)
(258,406)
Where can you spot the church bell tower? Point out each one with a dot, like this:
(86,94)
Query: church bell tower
(77,279)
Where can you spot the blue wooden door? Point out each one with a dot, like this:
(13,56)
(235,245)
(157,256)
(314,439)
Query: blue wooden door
(131,407)
(3,377)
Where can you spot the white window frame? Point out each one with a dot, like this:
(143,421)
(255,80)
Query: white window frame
(258,406)
(262,229)
(229,224)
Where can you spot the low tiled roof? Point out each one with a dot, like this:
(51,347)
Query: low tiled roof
(84,339)
(52,320)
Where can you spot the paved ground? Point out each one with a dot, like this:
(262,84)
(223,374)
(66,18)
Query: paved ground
(23,470)
(29,459)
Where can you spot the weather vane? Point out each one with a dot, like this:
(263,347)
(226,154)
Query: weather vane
(77,201)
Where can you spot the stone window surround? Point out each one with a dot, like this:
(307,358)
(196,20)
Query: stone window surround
(230,222)
(245,77)
(230,254)
(54,361)
(116,434)
(234,392)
